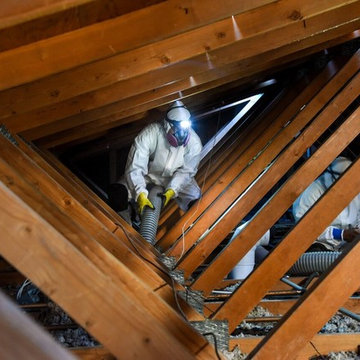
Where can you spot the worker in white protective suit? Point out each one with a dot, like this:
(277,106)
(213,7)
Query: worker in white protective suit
(165,153)
(346,226)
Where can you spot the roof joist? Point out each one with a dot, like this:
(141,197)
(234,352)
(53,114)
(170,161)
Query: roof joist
(111,106)
(19,12)
(284,37)
(44,22)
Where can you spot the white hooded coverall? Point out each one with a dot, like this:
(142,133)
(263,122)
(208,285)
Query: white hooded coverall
(331,238)
(153,160)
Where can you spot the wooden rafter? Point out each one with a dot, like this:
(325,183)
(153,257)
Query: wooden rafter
(12,14)
(250,173)
(93,353)
(71,71)
(202,83)
(109,103)
(286,253)
(29,22)
(64,200)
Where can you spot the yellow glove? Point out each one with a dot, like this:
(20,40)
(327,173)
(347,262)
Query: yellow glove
(168,195)
(143,201)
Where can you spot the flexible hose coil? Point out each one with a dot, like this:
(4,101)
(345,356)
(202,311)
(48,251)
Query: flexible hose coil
(312,262)
(150,217)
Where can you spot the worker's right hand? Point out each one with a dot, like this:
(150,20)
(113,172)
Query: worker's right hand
(143,201)
(350,234)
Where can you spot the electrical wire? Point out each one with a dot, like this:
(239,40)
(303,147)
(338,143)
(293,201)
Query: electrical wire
(22,287)
(215,343)
(311,343)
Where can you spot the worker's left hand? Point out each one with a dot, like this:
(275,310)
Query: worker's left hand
(168,195)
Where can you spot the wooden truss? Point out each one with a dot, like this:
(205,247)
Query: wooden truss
(86,258)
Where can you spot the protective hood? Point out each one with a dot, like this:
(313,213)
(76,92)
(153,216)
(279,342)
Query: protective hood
(178,112)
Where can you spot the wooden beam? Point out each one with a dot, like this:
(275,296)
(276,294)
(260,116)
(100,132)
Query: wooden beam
(90,133)
(65,115)
(317,305)
(113,102)
(22,338)
(291,247)
(285,104)
(14,13)
(289,192)
(51,211)
(14,32)
(57,54)
(105,108)
(278,288)
(280,307)
(114,120)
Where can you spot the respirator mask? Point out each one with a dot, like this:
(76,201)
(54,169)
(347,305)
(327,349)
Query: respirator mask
(178,118)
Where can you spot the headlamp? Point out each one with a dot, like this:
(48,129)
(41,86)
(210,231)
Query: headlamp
(185,124)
